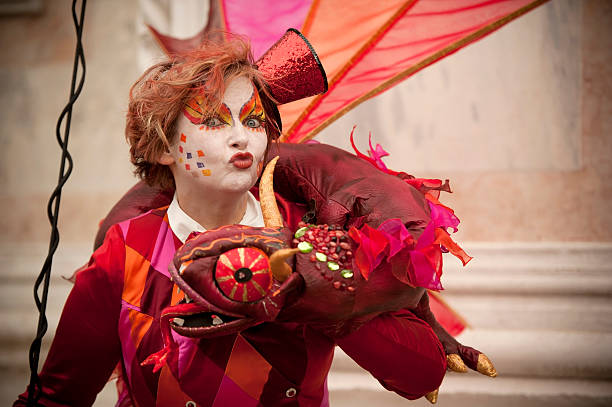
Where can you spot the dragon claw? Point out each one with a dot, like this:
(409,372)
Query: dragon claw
(485,366)
(158,360)
(455,363)
(432,397)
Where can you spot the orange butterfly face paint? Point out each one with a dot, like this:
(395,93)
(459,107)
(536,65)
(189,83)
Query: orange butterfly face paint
(224,115)
(252,114)
(194,111)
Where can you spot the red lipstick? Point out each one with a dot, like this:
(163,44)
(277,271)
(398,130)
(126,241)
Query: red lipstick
(242,160)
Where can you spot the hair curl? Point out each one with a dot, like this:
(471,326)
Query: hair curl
(159,95)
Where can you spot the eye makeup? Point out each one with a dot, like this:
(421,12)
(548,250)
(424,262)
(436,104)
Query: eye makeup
(195,113)
(253,108)
(193,109)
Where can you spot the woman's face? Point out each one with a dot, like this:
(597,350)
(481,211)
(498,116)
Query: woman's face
(223,151)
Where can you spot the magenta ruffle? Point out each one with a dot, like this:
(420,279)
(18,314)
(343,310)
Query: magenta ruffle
(391,242)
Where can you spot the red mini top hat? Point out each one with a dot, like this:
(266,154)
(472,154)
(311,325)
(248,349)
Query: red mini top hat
(292,69)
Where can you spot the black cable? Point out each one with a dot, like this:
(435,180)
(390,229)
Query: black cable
(54,202)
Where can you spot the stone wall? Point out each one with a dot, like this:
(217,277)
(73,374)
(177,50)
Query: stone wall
(36,69)
(520,121)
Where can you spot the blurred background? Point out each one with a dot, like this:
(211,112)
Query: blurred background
(520,122)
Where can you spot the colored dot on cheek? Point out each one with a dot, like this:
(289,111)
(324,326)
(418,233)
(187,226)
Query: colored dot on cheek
(183,138)
(187,167)
(206,173)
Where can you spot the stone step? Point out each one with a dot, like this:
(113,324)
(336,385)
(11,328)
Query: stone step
(482,310)
(20,316)
(24,260)
(553,256)
(544,354)
(470,390)
(534,281)
(362,390)
(533,312)
(575,269)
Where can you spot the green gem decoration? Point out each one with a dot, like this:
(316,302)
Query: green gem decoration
(346,273)
(333,266)
(320,256)
(300,232)
(304,247)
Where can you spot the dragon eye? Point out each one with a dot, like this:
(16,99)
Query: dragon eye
(243,274)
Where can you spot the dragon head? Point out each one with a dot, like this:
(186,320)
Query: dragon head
(238,276)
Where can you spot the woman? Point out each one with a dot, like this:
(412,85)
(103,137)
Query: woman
(201,123)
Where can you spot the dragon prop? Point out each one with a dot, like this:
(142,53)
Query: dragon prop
(352,242)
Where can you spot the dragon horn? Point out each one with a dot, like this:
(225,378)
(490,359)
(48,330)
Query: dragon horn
(281,270)
(271,214)
(272,219)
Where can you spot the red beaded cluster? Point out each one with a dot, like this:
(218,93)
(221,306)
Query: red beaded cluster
(330,250)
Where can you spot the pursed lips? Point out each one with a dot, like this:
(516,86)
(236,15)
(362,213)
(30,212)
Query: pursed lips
(242,160)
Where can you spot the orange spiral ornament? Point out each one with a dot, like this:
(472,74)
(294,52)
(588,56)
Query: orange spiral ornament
(243,274)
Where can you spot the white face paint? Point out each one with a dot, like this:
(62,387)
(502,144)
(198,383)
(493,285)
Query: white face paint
(223,152)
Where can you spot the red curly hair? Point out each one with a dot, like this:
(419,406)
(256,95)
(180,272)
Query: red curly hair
(159,95)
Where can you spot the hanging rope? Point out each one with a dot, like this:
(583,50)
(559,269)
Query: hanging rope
(54,202)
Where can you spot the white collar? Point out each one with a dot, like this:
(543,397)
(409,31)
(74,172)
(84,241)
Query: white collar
(182,224)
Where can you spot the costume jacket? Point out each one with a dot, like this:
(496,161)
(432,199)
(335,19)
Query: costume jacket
(111,319)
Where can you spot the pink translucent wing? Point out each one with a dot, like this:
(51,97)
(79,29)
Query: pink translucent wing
(446,315)
(338,29)
(264,21)
(419,34)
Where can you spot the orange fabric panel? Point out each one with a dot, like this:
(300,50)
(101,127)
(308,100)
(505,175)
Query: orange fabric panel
(176,295)
(140,324)
(136,271)
(247,368)
(169,392)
